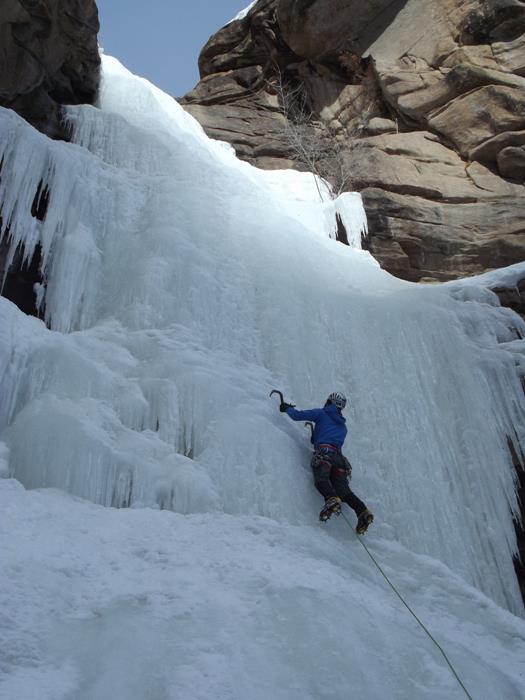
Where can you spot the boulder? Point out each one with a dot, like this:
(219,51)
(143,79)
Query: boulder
(378,125)
(511,163)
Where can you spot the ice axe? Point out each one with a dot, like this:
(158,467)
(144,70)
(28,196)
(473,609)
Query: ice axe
(280,394)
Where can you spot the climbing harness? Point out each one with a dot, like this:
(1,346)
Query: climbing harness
(408,608)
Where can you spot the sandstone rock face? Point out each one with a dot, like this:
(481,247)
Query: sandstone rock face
(232,100)
(434,216)
(49,56)
(427,99)
(313,28)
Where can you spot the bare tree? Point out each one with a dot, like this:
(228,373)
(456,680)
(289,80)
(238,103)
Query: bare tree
(314,144)
(303,135)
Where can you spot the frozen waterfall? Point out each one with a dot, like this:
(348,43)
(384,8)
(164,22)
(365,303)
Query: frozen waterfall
(182,285)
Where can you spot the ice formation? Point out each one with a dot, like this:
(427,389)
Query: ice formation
(182,285)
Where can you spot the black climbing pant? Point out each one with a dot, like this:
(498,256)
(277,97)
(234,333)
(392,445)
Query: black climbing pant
(331,473)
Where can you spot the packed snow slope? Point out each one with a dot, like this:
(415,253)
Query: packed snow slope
(181,287)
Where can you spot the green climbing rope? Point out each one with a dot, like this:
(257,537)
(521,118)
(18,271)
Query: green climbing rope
(408,608)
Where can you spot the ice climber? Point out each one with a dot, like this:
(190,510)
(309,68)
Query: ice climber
(330,467)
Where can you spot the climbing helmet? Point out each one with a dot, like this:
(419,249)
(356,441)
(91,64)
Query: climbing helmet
(338,399)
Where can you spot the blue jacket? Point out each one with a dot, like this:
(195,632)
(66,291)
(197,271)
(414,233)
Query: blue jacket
(330,425)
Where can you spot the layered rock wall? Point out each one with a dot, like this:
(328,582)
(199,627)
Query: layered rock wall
(427,100)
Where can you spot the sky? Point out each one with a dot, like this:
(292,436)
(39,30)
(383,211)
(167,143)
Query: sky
(161,39)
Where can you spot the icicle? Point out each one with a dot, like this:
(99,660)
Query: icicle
(67,235)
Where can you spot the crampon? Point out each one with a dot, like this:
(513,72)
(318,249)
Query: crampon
(332,505)
(365,519)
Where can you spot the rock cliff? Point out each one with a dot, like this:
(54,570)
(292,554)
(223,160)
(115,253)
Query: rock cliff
(49,57)
(426,100)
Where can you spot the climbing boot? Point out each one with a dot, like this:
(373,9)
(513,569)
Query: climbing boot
(363,521)
(332,505)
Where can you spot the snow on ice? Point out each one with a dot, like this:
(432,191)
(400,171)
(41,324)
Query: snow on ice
(182,285)
(242,14)
(138,603)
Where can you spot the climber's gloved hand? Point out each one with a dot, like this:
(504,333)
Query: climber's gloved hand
(284,406)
